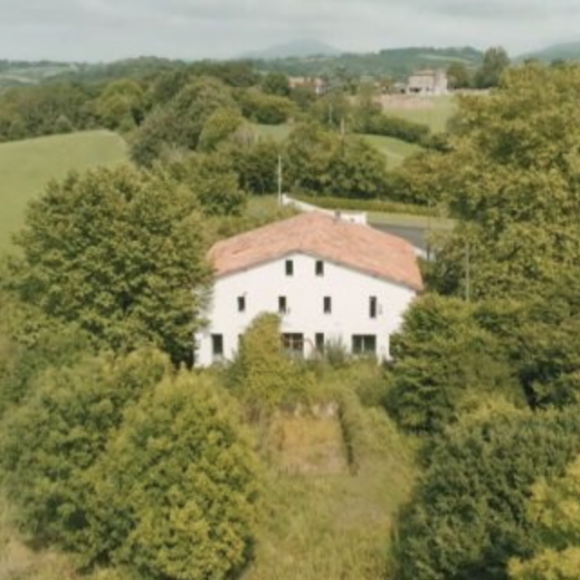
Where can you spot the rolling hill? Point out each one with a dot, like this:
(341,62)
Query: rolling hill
(395,63)
(27,166)
(566,51)
(297,49)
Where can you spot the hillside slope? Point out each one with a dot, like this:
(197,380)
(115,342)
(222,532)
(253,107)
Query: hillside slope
(566,51)
(27,166)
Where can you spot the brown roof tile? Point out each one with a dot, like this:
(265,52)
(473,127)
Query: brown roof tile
(360,247)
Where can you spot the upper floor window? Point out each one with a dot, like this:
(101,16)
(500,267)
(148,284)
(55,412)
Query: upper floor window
(327,305)
(319,268)
(241,303)
(373,310)
(289,267)
(282,305)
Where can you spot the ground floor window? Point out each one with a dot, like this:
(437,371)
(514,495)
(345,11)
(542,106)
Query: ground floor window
(319,341)
(293,343)
(364,344)
(217,347)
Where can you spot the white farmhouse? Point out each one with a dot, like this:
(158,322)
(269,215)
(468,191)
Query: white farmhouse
(330,280)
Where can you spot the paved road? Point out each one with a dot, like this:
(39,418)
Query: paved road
(414,235)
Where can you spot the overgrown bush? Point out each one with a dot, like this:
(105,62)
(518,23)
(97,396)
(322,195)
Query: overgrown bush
(263,376)
(173,495)
(48,443)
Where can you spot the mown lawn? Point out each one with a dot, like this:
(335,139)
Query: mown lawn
(27,166)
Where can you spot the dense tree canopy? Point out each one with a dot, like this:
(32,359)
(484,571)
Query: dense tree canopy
(467,518)
(513,179)
(120,252)
(173,495)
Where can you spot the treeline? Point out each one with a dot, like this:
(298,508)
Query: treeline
(486,366)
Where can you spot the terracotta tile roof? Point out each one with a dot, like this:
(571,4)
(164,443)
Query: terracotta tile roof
(357,246)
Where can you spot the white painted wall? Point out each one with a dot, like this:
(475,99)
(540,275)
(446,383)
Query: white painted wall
(262,285)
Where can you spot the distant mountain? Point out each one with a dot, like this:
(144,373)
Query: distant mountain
(297,49)
(566,51)
(397,63)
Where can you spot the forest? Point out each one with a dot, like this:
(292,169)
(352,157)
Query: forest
(456,460)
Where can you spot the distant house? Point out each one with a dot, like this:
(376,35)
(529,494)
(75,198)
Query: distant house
(428,82)
(331,281)
(316,84)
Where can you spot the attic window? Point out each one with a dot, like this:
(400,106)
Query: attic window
(319,268)
(241,303)
(289,268)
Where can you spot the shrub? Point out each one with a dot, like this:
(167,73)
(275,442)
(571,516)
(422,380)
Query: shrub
(73,412)
(173,495)
(262,375)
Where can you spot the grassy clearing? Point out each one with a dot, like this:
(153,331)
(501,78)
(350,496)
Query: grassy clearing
(436,111)
(395,150)
(27,166)
(321,519)
(411,221)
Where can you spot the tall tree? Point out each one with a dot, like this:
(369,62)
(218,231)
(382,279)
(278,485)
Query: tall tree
(120,252)
(495,62)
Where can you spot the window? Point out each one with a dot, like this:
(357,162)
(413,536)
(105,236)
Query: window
(319,341)
(289,268)
(241,303)
(373,307)
(327,305)
(217,346)
(319,268)
(364,344)
(293,344)
(282,305)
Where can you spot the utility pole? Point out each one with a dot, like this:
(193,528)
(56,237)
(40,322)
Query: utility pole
(280,180)
(467,273)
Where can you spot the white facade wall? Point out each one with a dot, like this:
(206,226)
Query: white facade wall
(262,285)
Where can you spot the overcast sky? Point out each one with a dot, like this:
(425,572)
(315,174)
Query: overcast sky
(101,30)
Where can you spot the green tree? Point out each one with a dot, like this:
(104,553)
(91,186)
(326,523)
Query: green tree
(120,253)
(444,363)
(459,76)
(173,495)
(267,109)
(74,410)
(221,126)
(275,83)
(511,178)
(121,105)
(495,62)
(553,511)
(179,123)
(262,375)
(467,517)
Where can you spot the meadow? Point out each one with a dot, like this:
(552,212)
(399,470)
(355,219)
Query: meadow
(433,111)
(28,166)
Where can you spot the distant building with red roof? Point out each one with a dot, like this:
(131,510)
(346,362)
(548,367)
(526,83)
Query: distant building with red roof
(330,280)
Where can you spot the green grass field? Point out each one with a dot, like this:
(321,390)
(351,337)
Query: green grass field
(436,116)
(27,166)
(395,150)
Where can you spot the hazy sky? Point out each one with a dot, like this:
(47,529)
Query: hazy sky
(190,29)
